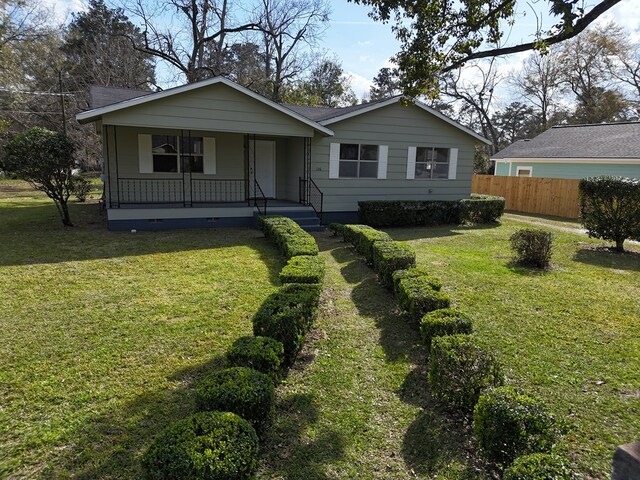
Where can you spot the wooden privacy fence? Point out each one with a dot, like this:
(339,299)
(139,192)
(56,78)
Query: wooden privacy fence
(557,197)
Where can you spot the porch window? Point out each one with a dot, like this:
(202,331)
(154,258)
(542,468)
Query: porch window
(432,162)
(165,153)
(192,151)
(358,160)
(166,150)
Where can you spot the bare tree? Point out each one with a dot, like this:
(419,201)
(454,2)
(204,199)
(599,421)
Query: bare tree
(194,43)
(539,82)
(476,91)
(287,25)
(586,62)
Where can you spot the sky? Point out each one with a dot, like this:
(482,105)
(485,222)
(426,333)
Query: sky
(365,46)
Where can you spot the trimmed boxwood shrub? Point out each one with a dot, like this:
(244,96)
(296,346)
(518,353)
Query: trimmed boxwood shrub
(389,257)
(398,275)
(362,237)
(508,423)
(303,269)
(445,321)
(263,354)
(240,390)
(610,208)
(400,213)
(459,370)
(532,247)
(207,445)
(481,208)
(337,228)
(538,466)
(417,296)
(288,236)
(287,316)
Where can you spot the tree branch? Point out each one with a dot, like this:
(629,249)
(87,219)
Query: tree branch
(566,34)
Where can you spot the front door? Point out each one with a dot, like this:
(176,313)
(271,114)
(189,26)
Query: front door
(265,166)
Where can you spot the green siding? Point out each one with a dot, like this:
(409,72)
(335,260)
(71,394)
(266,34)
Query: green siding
(216,107)
(570,170)
(399,127)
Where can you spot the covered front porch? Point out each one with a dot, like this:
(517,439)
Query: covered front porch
(204,178)
(167,169)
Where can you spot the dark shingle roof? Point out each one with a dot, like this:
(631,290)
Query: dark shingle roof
(319,114)
(606,140)
(100,96)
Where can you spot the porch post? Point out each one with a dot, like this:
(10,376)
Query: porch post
(115,148)
(307,167)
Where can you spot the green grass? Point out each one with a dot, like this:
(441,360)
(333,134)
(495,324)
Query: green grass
(107,332)
(104,333)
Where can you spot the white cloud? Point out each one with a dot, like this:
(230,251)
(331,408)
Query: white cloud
(359,84)
(62,9)
(364,58)
(365,43)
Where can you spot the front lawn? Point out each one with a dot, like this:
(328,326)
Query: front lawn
(104,333)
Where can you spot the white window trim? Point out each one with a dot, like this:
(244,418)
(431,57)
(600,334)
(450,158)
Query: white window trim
(206,156)
(377,161)
(520,168)
(412,162)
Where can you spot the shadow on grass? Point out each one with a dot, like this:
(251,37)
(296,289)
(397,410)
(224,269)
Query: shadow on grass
(434,442)
(436,231)
(111,446)
(287,452)
(607,258)
(527,270)
(36,236)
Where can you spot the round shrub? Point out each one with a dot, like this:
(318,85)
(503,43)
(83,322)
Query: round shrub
(240,390)
(445,321)
(260,353)
(459,370)
(508,423)
(207,445)
(532,247)
(610,208)
(538,466)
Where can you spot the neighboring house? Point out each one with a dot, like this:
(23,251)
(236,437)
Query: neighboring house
(574,151)
(214,153)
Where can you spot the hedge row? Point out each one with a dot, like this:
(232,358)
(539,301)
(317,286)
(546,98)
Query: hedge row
(380,251)
(221,441)
(403,213)
(288,236)
(508,424)
(303,269)
(287,316)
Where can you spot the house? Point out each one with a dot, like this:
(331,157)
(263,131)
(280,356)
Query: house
(214,153)
(574,151)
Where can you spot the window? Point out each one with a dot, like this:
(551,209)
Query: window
(165,153)
(524,171)
(432,162)
(192,152)
(358,161)
(166,150)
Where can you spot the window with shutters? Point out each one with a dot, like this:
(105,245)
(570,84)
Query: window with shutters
(167,149)
(358,160)
(432,162)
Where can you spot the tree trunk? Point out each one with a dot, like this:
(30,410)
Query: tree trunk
(64,214)
(619,245)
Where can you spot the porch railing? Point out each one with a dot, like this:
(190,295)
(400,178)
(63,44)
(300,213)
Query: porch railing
(310,194)
(180,191)
(150,191)
(259,199)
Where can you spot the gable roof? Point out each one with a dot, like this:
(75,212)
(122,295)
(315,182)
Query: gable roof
(96,113)
(109,99)
(605,140)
